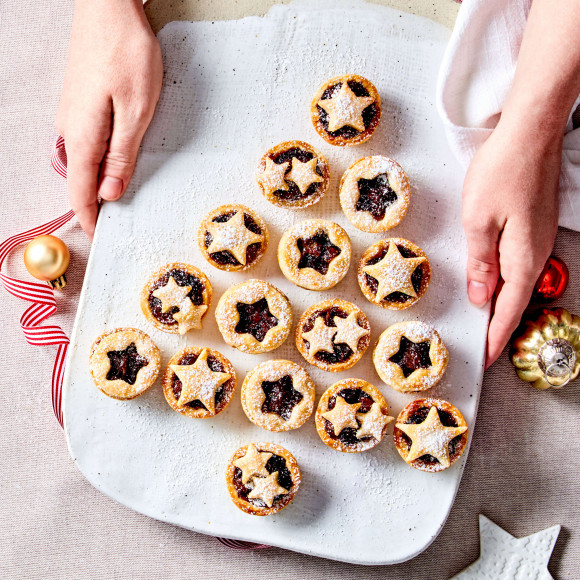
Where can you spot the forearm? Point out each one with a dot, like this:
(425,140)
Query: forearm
(547,78)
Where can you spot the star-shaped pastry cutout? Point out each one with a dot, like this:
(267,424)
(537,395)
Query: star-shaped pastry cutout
(349,331)
(320,337)
(232,236)
(504,557)
(304,174)
(430,437)
(345,108)
(253,463)
(199,382)
(412,356)
(393,273)
(267,489)
(171,294)
(373,423)
(272,178)
(120,367)
(189,316)
(342,416)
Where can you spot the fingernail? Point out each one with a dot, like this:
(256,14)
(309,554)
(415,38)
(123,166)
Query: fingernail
(111,187)
(477,293)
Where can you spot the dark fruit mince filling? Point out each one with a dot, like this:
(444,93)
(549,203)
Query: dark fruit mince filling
(447,420)
(125,364)
(281,397)
(216,366)
(275,463)
(182,278)
(412,356)
(348,435)
(255,319)
(225,258)
(342,352)
(369,114)
(293,192)
(375,196)
(317,252)
(416,277)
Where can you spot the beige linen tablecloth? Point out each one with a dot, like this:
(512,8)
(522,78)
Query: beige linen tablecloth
(522,470)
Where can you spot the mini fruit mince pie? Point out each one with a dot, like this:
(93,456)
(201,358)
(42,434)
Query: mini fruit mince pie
(430,434)
(333,335)
(262,478)
(352,416)
(315,254)
(374,194)
(254,316)
(293,175)
(394,273)
(346,110)
(232,237)
(278,395)
(124,363)
(176,298)
(410,356)
(199,382)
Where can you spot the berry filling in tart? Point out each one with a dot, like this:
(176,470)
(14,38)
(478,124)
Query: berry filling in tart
(181,278)
(214,365)
(125,364)
(317,252)
(281,397)
(226,258)
(293,193)
(255,319)
(341,351)
(276,464)
(351,396)
(369,115)
(412,356)
(416,277)
(375,196)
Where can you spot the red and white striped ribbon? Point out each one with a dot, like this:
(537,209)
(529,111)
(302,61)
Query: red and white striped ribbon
(44,305)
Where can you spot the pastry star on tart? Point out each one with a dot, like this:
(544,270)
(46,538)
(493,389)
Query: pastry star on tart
(176,298)
(352,416)
(333,335)
(262,478)
(233,237)
(430,434)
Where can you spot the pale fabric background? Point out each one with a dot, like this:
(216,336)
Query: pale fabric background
(523,466)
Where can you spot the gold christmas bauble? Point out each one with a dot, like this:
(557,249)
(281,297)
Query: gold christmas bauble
(47,258)
(546,353)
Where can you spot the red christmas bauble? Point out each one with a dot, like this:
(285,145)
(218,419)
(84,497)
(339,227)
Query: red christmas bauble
(552,282)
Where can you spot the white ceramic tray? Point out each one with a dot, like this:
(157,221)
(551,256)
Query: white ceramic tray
(232,90)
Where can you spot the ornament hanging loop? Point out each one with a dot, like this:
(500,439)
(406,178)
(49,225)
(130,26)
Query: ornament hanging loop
(556,359)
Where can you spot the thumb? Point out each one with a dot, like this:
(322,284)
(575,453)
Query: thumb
(119,160)
(482,261)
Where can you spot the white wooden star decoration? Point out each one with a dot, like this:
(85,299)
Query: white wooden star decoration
(504,557)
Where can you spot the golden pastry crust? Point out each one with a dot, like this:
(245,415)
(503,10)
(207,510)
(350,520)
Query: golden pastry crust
(377,213)
(357,410)
(214,361)
(167,283)
(348,107)
(273,306)
(284,404)
(290,477)
(242,240)
(393,372)
(404,265)
(299,254)
(348,338)
(289,178)
(101,364)
(446,435)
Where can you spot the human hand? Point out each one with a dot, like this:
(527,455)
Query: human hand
(510,217)
(112,84)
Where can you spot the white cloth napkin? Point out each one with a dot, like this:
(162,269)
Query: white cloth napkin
(475,76)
